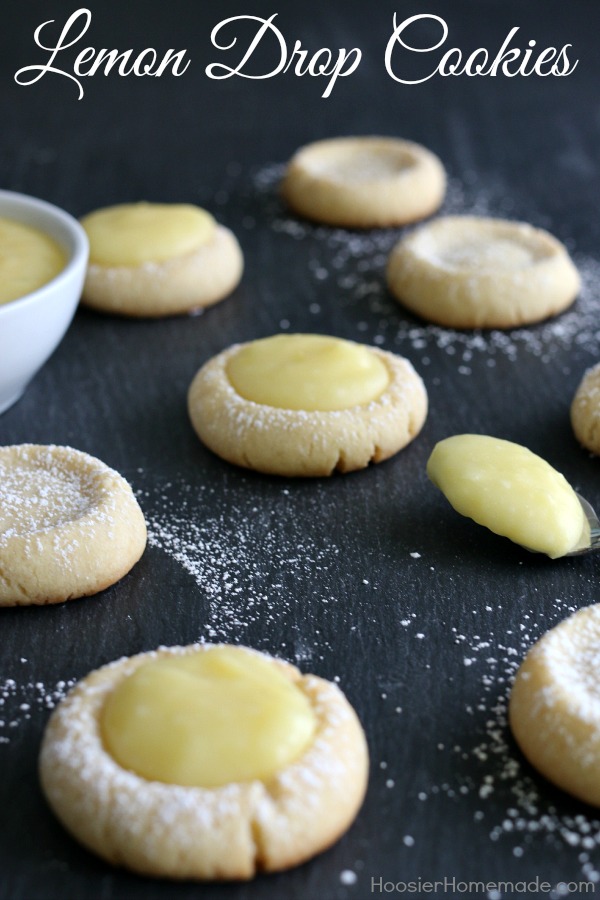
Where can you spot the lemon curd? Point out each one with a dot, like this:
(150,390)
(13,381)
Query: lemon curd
(207,719)
(511,491)
(132,234)
(29,259)
(307,372)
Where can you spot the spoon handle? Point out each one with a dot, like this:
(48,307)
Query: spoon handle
(594,524)
(594,538)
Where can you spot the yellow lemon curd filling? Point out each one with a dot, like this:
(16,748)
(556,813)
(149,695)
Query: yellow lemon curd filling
(309,372)
(207,719)
(29,259)
(511,491)
(132,234)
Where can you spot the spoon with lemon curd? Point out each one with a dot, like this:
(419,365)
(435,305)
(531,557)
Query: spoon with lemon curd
(514,493)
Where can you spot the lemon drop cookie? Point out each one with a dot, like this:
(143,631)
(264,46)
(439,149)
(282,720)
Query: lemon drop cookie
(204,762)
(69,525)
(585,410)
(554,708)
(364,182)
(511,491)
(155,259)
(471,272)
(29,259)
(306,404)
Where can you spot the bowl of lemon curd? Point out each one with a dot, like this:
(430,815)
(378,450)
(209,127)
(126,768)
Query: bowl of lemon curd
(43,259)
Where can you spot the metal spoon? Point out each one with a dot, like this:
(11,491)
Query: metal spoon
(590,539)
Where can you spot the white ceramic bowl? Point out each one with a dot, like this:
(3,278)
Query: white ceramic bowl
(32,327)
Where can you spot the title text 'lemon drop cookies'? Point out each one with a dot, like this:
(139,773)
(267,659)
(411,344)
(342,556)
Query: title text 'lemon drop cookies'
(153,259)
(511,491)
(554,708)
(364,182)
(204,762)
(69,525)
(470,272)
(585,410)
(306,404)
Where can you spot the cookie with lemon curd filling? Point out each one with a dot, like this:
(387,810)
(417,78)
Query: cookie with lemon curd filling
(364,182)
(472,272)
(204,762)
(69,525)
(152,259)
(306,405)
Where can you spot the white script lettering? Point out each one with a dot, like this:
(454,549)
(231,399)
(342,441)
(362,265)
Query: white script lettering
(478,63)
(129,63)
(323,62)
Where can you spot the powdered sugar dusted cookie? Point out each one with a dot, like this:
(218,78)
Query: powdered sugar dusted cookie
(69,525)
(364,182)
(585,410)
(554,711)
(471,272)
(204,762)
(298,404)
(153,259)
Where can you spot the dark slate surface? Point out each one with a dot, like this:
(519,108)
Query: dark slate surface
(320,572)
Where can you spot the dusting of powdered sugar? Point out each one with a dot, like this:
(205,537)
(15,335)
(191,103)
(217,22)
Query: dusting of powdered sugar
(42,488)
(352,265)
(247,561)
(21,699)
